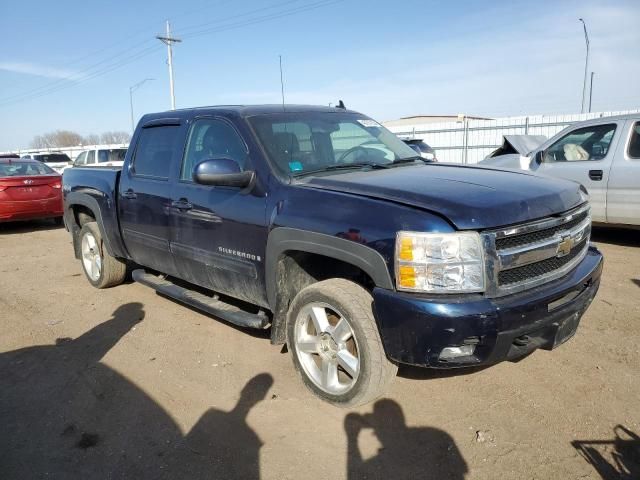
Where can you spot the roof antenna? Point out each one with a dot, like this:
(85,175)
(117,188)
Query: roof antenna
(281,82)
(341,105)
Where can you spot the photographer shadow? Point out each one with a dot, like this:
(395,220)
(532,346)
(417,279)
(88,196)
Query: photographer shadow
(406,452)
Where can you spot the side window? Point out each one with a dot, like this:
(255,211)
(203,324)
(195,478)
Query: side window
(91,157)
(81,159)
(212,138)
(588,143)
(634,142)
(154,150)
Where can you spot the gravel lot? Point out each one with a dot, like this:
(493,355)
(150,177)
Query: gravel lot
(123,383)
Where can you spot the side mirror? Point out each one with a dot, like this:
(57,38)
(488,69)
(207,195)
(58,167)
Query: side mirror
(222,172)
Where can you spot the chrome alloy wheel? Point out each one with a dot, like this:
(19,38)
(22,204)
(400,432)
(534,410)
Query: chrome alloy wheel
(327,348)
(91,259)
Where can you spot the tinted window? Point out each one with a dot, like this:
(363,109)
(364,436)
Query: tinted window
(154,150)
(53,158)
(588,143)
(111,155)
(91,157)
(211,138)
(19,169)
(634,141)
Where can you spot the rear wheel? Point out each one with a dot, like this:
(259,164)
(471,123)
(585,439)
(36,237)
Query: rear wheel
(58,221)
(335,343)
(101,269)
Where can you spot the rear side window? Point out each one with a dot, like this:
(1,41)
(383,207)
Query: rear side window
(634,142)
(154,151)
(91,157)
(82,159)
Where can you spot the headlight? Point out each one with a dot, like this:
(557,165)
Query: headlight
(439,262)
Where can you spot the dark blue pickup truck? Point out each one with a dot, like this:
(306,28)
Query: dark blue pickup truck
(321,225)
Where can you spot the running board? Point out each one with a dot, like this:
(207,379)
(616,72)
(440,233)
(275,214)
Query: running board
(210,305)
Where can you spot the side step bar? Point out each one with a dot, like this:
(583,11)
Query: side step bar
(202,302)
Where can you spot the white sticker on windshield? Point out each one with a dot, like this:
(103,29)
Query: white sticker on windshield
(367,122)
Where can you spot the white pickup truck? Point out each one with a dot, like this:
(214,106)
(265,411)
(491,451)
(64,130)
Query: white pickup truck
(101,157)
(601,154)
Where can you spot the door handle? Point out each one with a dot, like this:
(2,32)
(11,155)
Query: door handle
(129,194)
(182,204)
(595,175)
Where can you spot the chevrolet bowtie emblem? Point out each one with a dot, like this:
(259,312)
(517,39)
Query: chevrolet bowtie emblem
(564,247)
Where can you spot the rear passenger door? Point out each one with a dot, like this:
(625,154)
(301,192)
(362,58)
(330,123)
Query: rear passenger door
(623,189)
(144,195)
(219,234)
(584,156)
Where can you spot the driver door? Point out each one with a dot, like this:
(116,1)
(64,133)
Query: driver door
(218,234)
(584,156)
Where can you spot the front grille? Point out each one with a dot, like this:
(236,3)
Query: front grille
(539,235)
(538,269)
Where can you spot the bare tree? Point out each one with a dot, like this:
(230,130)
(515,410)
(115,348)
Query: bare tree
(91,139)
(115,137)
(57,139)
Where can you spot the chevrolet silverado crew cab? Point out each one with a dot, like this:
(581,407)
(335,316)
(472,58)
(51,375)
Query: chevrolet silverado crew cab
(356,252)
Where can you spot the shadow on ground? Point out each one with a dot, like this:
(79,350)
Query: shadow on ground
(28,226)
(615,459)
(616,236)
(407,452)
(66,415)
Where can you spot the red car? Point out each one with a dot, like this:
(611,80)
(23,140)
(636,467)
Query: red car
(29,190)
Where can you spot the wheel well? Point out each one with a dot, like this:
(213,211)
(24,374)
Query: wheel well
(82,215)
(297,270)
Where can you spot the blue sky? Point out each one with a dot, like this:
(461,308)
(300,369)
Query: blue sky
(386,59)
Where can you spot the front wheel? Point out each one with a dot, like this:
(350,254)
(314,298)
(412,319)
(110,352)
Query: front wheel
(335,344)
(101,269)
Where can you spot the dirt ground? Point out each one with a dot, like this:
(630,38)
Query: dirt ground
(123,383)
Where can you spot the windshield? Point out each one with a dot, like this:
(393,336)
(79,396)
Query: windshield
(298,143)
(52,158)
(20,169)
(111,155)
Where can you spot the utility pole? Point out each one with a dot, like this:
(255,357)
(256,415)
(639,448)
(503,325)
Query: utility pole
(132,89)
(591,91)
(168,40)
(586,65)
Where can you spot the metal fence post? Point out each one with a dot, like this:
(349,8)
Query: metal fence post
(526,126)
(465,157)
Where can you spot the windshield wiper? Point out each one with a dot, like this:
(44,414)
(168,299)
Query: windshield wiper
(343,166)
(409,160)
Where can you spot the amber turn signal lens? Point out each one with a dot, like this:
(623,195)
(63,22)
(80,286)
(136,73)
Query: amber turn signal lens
(407,276)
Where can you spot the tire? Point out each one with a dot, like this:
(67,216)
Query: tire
(314,355)
(101,269)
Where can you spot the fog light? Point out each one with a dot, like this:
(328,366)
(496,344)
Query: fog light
(449,353)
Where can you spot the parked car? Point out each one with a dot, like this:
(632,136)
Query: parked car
(422,148)
(56,161)
(101,157)
(295,218)
(29,190)
(602,154)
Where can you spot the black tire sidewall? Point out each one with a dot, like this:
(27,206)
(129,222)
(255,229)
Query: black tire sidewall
(313,294)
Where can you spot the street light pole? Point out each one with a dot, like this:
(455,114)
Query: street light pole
(586,65)
(168,40)
(591,91)
(132,89)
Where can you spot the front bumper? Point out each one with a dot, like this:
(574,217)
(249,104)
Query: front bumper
(415,328)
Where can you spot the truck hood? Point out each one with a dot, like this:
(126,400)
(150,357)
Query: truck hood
(472,198)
